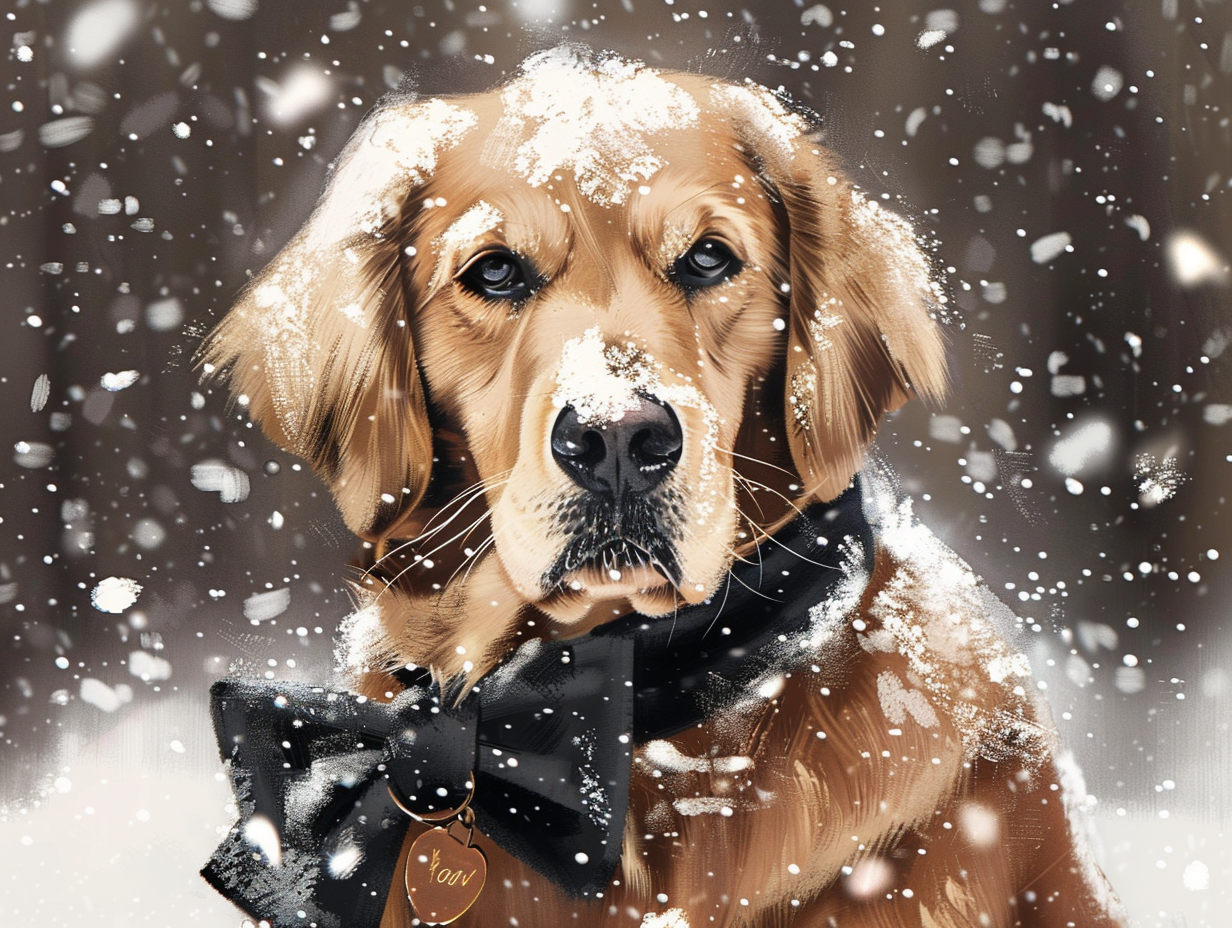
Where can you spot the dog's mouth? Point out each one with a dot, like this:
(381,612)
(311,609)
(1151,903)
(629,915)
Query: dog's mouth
(618,562)
(613,546)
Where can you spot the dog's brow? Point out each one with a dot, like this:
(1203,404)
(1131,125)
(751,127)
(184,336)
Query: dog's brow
(718,197)
(524,224)
(668,233)
(477,221)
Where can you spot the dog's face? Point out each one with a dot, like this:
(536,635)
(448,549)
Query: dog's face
(598,350)
(618,288)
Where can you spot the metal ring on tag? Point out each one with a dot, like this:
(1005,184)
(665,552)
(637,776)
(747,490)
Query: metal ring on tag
(437,818)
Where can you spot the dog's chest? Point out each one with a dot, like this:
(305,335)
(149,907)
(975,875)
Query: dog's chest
(707,771)
(705,805)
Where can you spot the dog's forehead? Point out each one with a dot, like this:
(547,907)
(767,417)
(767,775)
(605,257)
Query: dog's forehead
(610,125)
(594,119)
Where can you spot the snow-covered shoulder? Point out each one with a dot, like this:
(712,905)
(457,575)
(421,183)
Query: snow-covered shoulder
(956,637)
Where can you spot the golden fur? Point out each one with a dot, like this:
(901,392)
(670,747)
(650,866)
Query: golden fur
(427,408)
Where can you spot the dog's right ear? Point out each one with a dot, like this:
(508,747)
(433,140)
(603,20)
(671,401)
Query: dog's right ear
(318,347)
(862,333)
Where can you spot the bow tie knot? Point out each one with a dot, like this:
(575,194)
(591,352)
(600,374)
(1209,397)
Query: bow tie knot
(431,750)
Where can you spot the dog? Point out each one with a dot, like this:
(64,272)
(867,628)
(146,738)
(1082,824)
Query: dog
(570,349)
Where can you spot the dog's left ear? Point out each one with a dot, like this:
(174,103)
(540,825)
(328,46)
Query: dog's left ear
(318,345)
(863,336)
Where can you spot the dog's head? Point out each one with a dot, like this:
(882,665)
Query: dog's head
(616,289)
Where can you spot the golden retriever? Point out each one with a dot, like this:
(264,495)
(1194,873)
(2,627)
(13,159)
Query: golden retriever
(568,350)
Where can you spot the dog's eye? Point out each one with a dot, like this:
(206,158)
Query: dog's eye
(497,275)
(705,264)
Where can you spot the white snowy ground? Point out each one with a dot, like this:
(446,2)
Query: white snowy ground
(118,842)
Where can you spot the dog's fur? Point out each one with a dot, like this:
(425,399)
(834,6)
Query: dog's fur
(907,776)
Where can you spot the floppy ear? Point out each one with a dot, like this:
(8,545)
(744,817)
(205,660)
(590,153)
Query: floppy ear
(862,336)
(320,343)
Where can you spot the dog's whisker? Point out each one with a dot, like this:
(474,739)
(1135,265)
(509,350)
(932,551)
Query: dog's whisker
(750,483)
(475,492)
(480,486)
(392,581)
(460,500)
(761,535)
(734,553)
(756,591)
(756,531)
(471,559)
(722,605)
(748,486)
(469,552)
(767,537)
(425,559)
(675,615)
(752,486)
(460,534)
(486,545)
(761,461)
(661,568)
(737,557)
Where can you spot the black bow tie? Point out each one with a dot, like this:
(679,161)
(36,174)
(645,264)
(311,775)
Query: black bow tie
(548,736)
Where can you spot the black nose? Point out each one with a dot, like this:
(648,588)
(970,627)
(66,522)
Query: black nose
(629,455)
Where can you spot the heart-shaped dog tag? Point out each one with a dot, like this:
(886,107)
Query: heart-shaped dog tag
(444,876)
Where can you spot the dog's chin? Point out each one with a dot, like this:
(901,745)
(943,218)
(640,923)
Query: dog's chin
(591,597)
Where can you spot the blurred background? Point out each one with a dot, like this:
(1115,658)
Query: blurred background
(1071,161)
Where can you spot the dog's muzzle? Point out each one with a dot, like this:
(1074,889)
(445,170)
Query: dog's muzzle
(626,456)
(621,465)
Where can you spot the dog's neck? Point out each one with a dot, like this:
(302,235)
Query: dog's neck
(464,629)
